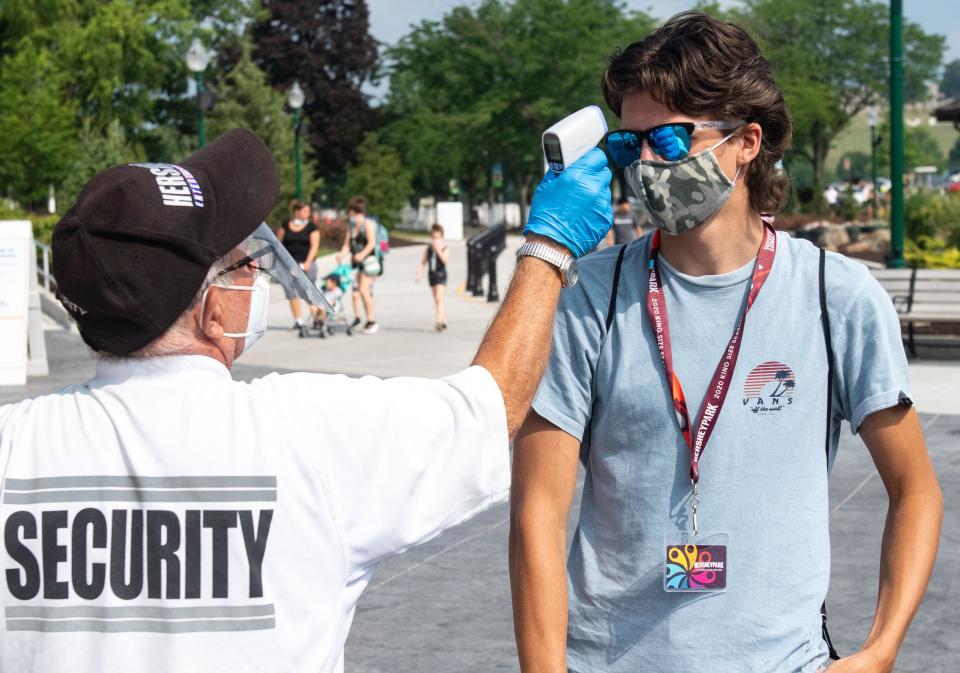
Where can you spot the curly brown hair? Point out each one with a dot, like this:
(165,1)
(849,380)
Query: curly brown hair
(698,65)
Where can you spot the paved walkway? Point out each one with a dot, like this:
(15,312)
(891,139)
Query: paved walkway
(445,606)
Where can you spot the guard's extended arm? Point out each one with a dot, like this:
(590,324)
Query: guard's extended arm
(571,211)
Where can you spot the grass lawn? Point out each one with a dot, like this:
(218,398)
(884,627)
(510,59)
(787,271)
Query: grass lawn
(856,137)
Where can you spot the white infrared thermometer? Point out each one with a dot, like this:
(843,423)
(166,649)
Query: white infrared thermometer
(572,137)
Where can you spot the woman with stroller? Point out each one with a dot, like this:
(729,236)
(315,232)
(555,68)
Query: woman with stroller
(301,238)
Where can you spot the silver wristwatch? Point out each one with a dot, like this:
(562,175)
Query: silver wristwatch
(566,264)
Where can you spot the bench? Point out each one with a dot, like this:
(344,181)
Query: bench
(922,296)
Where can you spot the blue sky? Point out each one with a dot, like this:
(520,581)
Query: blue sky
(391,19)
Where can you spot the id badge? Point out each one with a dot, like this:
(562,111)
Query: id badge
(695,562)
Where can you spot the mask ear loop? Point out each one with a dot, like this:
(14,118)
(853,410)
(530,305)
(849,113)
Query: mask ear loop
(736,175)
(733,183)
(203,305)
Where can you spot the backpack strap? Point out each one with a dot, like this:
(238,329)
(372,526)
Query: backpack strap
(825,322)
(612,307)
(611,314)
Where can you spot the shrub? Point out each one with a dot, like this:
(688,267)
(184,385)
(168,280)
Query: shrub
(933,214)
(927,252)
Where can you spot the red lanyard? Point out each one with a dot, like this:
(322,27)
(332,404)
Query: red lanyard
(720,382)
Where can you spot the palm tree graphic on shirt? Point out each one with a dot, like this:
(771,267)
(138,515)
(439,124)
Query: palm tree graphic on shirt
(770,380)
(784,381)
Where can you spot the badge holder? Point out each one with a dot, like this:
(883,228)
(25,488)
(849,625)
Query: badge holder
(695,561)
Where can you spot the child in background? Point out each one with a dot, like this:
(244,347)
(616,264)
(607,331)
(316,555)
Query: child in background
(435,258)
(332,292)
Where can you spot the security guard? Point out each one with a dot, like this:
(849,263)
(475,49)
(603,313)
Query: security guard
(164,517)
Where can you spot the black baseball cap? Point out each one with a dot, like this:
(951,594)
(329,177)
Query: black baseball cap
(131,254)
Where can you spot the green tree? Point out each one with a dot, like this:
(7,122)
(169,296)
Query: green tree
(248,101)
(88,64)
(480,86)
(36,123)
(859,165)
(920,148)
(830,58)
(380,175)
(115,55)
(954,158)
(950,83)
(327,47)
(96,151)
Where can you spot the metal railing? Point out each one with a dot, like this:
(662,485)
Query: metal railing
(44,275)
(482,252)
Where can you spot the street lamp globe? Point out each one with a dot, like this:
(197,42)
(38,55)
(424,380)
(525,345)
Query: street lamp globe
(198,58)
(295,97)
(873,116)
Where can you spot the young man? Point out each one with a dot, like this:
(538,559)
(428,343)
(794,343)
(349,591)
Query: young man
(701,412)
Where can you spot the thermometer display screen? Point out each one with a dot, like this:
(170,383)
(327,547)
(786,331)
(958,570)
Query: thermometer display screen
(551,148)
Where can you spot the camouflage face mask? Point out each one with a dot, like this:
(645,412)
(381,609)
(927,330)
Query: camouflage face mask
(681,195)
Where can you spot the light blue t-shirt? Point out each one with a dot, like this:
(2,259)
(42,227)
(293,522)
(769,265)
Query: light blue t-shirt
(763,473)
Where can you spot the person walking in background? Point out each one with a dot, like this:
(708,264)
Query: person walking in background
(627,225)
(301,238)
(435,259)
(359,245)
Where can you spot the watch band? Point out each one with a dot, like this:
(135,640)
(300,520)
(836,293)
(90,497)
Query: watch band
(547,254)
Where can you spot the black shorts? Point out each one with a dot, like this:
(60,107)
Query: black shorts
(437,278)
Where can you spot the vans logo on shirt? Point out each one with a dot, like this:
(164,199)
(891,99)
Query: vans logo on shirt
(123,553)
(769,388)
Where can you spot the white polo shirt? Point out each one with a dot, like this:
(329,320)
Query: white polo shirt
(163,517)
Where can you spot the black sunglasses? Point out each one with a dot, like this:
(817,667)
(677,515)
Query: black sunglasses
(668,141)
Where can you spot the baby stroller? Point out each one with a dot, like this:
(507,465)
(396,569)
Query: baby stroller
(334,288)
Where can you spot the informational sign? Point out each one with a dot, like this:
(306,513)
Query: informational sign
(497,175)
(512,215)
(15,243)
(450,217)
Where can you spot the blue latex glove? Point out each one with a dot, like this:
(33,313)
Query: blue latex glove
(573,208)
(668,144)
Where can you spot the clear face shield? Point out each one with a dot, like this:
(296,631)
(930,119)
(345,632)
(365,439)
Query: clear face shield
(263,252)
(250,266)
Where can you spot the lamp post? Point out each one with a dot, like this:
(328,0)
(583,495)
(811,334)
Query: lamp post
(873,118)
(497,177)
(198,58)
(896,260)
(295,100)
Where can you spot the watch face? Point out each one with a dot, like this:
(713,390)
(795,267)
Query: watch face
(572,274)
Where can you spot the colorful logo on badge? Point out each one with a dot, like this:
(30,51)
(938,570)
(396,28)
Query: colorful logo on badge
(769,388)
(692,567)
